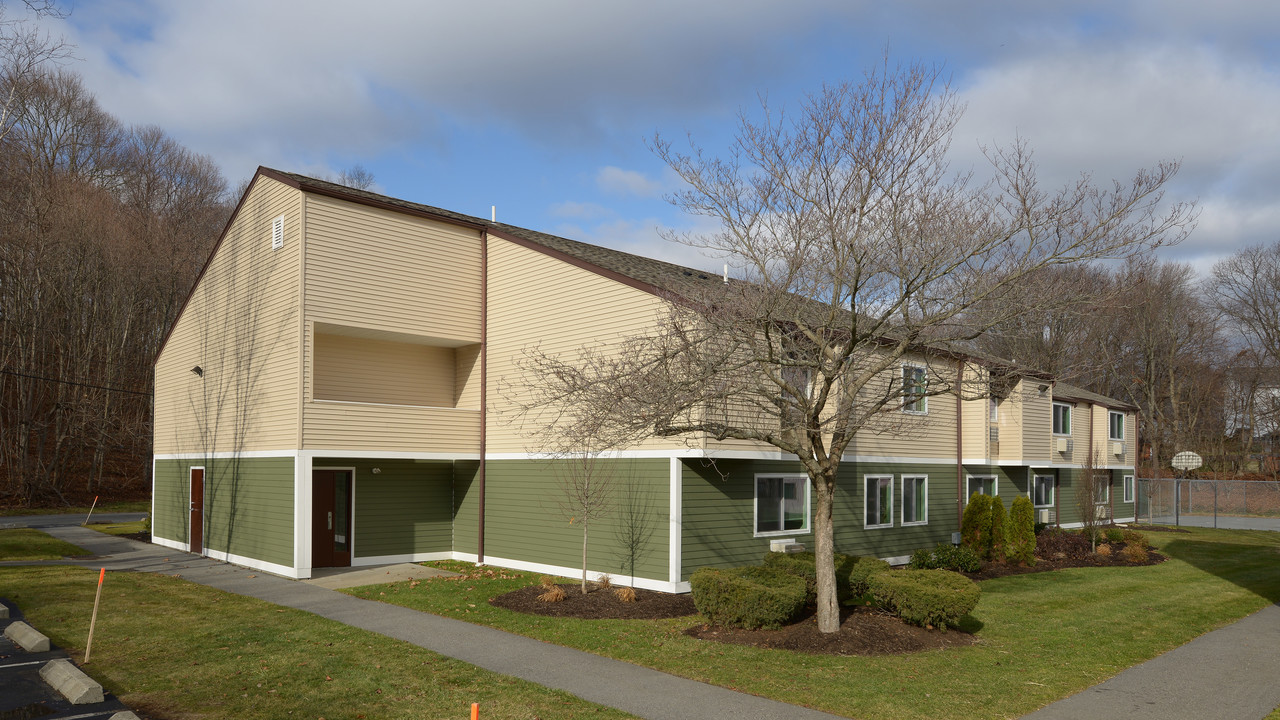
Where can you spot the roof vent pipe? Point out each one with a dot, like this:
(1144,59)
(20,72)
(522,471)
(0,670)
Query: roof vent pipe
(726,273)
(493,213)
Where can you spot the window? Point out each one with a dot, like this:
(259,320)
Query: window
(984,485)
(879,501)
(1128,488)
(1115,425)
(1061,419)
(995,410)
(915,500)
(915,383)
(782,504)
(1042,490)
(1101,489)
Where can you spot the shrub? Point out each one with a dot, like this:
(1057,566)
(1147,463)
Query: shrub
(625,594)
(926,597)
(1114,534)
(947,557)
(1104,550)
(851,571)
(1133,537)
(996,537)
(1022,536)
(605,582)
(1056,542)
(748,597)
(1135,553)
(975,522)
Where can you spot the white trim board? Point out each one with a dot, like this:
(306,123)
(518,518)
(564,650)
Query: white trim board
(576,573)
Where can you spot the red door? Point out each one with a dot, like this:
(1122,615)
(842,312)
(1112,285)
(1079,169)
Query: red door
(197,511)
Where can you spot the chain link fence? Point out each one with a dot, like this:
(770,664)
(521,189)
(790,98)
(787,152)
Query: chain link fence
(1237,504)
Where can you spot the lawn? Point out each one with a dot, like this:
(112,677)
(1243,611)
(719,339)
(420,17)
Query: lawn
(103,507)
(1041,636)
(124,528)
(28,544)
(177,649)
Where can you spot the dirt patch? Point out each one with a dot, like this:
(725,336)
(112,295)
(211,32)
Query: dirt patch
(597,604)
(1163,528)
(863,631)
(143,536)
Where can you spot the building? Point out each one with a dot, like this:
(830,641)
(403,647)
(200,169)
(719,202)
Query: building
(332,394)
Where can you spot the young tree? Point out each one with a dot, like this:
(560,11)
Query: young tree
(859,247)
(1092,494)
(586,493)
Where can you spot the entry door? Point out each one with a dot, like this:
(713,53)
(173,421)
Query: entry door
(331,518)
(197,511)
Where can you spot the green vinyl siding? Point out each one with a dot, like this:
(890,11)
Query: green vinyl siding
(403,509)
(719,503)
(170,499)
(1010,481)
(525,520)
(248,505)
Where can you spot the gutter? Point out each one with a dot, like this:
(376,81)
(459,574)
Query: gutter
(959,443)
(484,384)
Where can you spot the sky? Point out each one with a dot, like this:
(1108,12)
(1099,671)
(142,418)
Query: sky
(547,110)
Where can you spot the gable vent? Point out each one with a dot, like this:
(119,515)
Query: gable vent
(277,233)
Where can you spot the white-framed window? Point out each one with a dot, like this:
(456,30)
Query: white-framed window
(1115,425)
(782,505)
(878,501)
(1061,419)
(915,386)
(985,484)
(1128,488)
(1102,489)
(1042,490)
(915,500)
(994,409)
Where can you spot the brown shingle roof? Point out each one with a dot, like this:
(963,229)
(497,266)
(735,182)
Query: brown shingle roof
(1063,391)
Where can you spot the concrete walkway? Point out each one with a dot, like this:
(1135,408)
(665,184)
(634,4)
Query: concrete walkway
(637,690)
(1228,673)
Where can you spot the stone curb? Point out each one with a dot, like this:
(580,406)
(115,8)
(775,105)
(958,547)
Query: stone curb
(27,637)
(4,611)
(75,686)
(124,715)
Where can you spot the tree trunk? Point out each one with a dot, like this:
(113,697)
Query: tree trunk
(824,556)
(584,557)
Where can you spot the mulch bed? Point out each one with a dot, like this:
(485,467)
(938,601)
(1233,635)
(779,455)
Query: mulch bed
(863,631)
(994,570)
(1163,528)
(597,604)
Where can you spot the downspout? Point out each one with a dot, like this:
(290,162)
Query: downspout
(959,444)
(484,383)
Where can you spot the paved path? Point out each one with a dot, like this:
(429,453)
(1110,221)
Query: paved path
(640,691)
(1225,674)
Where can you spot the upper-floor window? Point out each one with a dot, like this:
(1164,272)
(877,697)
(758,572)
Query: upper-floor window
(915,385)
(994,409)
(1115,425)
(1061,419)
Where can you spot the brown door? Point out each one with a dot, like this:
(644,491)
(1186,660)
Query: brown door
(331,518)
(197,511)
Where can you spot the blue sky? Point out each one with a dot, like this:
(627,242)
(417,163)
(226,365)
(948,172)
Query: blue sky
(544,108)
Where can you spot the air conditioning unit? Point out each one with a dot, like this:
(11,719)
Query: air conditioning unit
(1064,445)
(995,433)
(1046,516)
(1101,512)
(1117,448)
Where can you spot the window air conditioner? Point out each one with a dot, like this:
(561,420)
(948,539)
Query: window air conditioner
(1117,448)
(1064,445)
(1044,516)
(995,433)
(1101,512)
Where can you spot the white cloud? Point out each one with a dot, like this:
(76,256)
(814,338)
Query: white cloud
(616,181)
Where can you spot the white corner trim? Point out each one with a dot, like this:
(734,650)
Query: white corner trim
(254,563)
(675,543)
(227,455)
(171,544)
(408,558)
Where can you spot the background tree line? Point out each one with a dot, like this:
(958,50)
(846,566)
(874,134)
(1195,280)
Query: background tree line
(103,229)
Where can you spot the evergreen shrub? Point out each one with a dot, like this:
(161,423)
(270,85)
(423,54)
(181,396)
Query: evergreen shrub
(976,522)
(1021,535)
(851,571)
(947,557)
(926,597)
(750,597)
(997,535)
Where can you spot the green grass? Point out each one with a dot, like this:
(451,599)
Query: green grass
(103,507)
(1041,637)
(29,544)
(176,649)
(126,528)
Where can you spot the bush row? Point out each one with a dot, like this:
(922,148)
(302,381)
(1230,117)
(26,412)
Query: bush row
(986,529)
(937,598)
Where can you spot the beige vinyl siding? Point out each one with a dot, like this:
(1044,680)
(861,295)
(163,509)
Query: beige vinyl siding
(375,269)
(1013,422)
(1037,424)
(394,428)
(976,428)
(539,301)
(466,376)
(240,326)
(898,434)
(379,371)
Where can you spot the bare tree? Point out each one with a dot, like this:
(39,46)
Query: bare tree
(860,249)
(1093,496)
(356,177)
(586,493)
